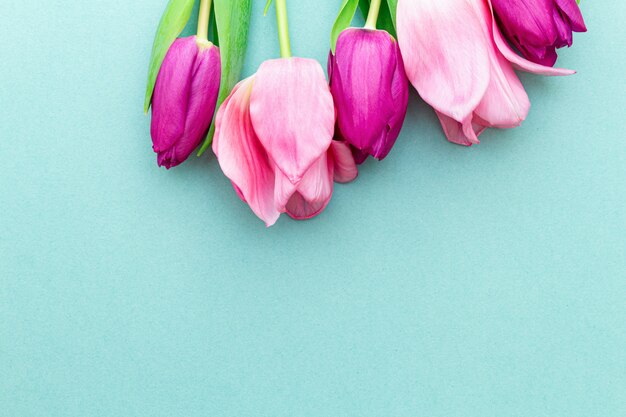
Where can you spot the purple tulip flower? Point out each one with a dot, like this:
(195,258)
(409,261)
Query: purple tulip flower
(185,95)
(538,27)
(370,89)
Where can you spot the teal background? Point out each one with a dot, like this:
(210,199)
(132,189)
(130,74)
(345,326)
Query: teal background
(446,281)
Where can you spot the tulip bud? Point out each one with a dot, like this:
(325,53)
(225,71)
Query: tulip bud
(184,100)
(370,89)
(538,27)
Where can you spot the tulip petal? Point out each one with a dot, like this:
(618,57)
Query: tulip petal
(345,169)
(316,186)
(518,61)
(530,20)
(358,155)
(299,208)
(203,91)
(505,103)
(312,194)
(400,94)
(284,189)
(575,17)
(241,156)
(465,134)
(293,113)
(170,100)
(370,89)
(445,53)
(542,55)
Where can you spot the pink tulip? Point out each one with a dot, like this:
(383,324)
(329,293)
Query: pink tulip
(456,58)
(274,140)
(185,95)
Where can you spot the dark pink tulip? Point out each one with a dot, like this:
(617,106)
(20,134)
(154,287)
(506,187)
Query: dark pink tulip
(538,27)
(370,89)
(184,99)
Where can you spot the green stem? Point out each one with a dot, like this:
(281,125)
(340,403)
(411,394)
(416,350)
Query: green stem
(283,28)
(204,12)
(372,16)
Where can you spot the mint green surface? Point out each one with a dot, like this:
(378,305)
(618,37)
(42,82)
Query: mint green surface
(483,282)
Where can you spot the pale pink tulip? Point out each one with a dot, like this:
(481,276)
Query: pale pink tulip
(273,140)
(456,58)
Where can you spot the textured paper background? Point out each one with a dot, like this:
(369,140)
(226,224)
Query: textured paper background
(445,282)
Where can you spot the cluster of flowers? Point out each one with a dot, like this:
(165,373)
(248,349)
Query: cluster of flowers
(285,134)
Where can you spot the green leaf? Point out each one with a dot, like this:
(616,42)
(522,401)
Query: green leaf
(233,22)
(173,21)
(364,7)
(385,19)
(393,7)
(213,28)
(344,18)
(386,22)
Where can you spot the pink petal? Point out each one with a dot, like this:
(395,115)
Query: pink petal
(299,208)
(310,196)
(465,134)
(293,113)
(205,85)
(283,191)
(518,61)
(314,191)
(172,89)
(505,103)
(317,183)
(242,157)
(445,53)
(343,162)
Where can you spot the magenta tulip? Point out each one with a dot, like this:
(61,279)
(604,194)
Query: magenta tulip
(370,89)
(457,59)
(274,140)
(184,99)
(538,27)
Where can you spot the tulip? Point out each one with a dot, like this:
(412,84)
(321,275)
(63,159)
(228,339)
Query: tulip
(185,95)
(274,140)
(460,64)
(538,27)
(370,89)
